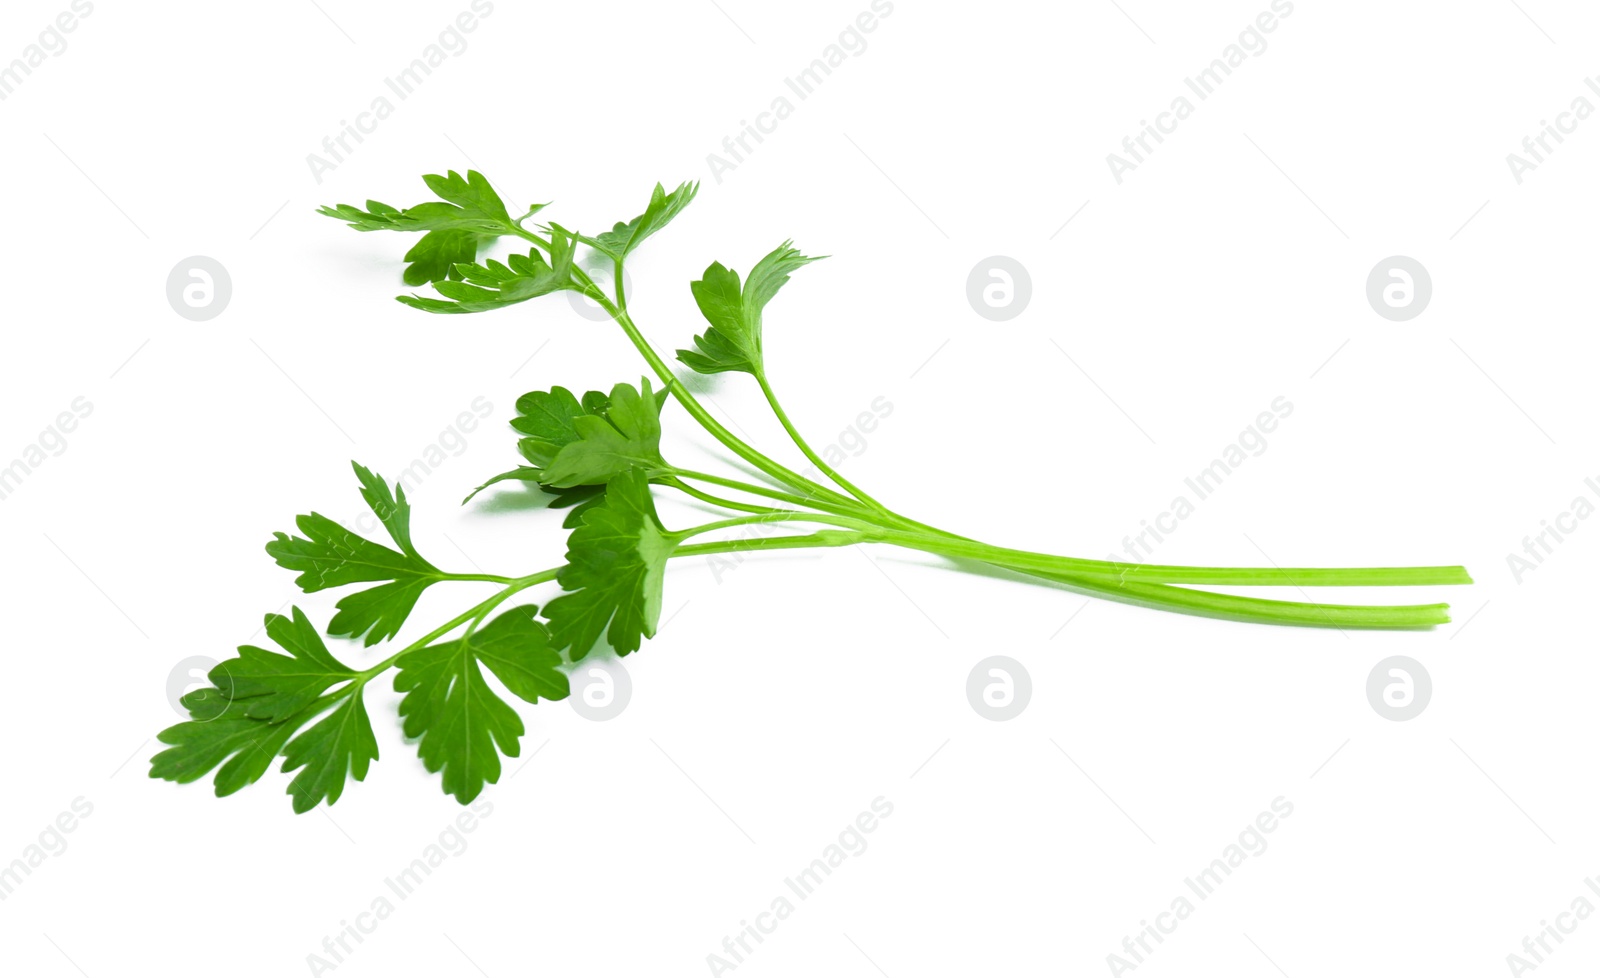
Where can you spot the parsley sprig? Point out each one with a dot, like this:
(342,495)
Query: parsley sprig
(599,455)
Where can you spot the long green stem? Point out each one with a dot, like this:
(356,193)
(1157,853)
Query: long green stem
(1120,574)
(1229,606)
(1180,574)
(931,539)
(1168,597)
(1267,611)
(1233,607)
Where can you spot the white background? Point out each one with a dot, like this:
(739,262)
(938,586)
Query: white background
(1222,273)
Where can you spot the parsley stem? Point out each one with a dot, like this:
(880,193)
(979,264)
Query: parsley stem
(783,418)
(619,312)
(805,448)
(778,516)
(707,497)
(1266,611)
(824,538)
(1232,607)
(697,410)
(476,612)
(735,444)
(1180,574)
(490,578)
(1152,585)
(820,494)
(849,508)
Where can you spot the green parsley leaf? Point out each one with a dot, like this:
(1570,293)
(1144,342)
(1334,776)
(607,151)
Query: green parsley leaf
(338,747)
(614,572)
(331,556)
(734,340)
(470,203)
(461,720)
(435,257)
(255,705)
(548,420)
(220,736)
(495,285)
(390,508)
(274,687)
(470,215)
(663,207)
(622,434)
(377,613)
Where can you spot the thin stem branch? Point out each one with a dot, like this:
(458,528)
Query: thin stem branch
(849,508)
(825,538)
(806,450)
(490,578)
(706,497)
(779,517)
(697,410)
(475,612)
